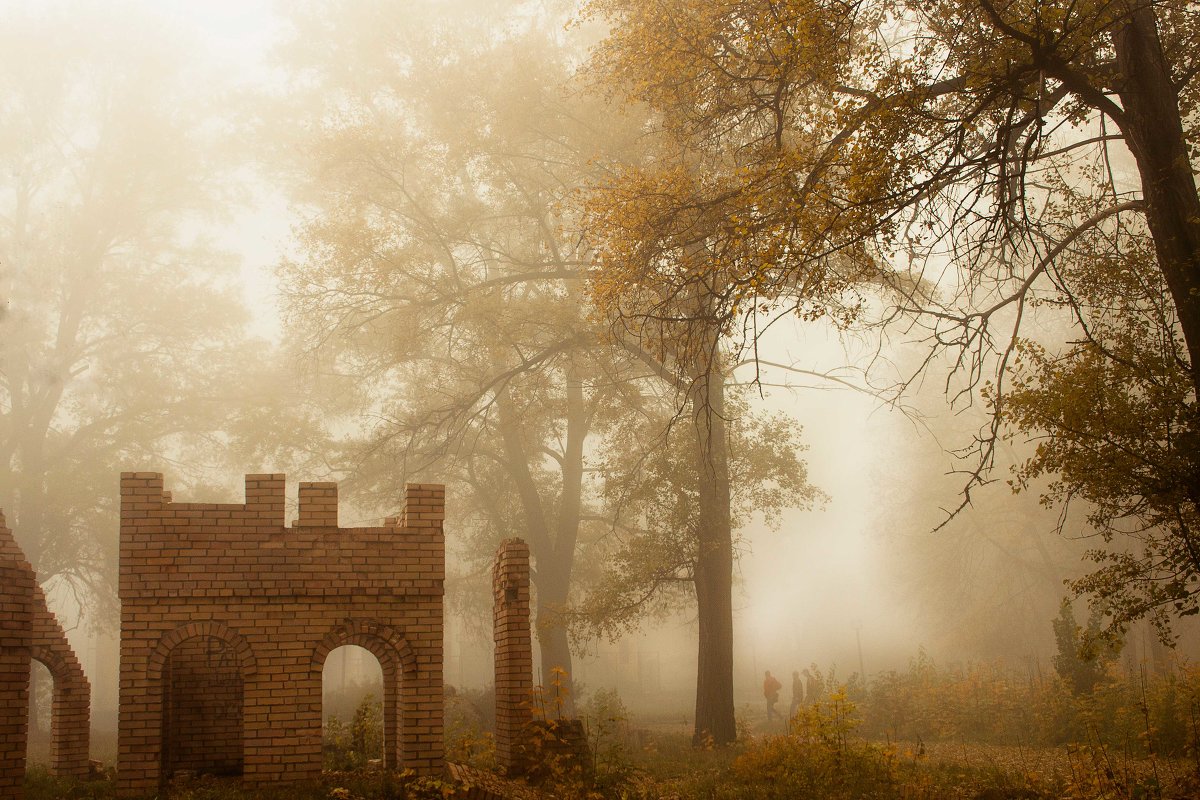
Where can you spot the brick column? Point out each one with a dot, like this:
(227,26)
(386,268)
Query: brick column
(423,695)
(140,713)
(514,652)
(16,636)
(265,499)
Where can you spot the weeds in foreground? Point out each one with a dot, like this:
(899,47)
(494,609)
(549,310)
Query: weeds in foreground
(377,785)
(1129,740)
(469,739)
(41,785)
(824,756)
(347,747)
(1139,713)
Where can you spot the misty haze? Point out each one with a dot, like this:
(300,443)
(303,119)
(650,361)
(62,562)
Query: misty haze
(585,399)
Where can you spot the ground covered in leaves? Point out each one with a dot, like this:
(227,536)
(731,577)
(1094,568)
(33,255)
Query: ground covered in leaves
(932,733)
(667,767)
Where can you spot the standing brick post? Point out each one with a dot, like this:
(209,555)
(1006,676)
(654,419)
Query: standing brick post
(16,638)
(514,653)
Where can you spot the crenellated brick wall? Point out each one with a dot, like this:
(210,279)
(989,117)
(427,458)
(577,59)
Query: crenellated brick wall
(227,617)
(29,631)
(514,653)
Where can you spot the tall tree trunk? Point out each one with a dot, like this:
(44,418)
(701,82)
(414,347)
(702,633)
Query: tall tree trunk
(552,588)
(714,563)
(1154,131)
(552,536)
(554,594)
(28,518)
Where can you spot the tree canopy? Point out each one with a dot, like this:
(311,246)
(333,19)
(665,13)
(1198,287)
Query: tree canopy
(441,274)
(947,165)
(121,331)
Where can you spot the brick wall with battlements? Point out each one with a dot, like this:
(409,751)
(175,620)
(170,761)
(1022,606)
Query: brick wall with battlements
(514,654)
(227,616)
(29,632)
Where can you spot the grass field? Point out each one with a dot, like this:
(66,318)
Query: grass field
(963,733)
(662,765)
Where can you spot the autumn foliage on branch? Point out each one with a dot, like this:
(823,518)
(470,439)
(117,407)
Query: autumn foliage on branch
(960,167)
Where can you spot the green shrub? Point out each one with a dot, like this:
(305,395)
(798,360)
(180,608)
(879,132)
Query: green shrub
(824,757)
(470,718)
(350,747)
(610,739)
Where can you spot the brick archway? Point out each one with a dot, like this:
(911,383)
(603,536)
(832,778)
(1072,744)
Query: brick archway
(214,630)
(70,704)
(29,631)
(200,671)
(399,665)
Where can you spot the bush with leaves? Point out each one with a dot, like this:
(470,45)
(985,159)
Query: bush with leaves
(1084,655)
(469,728)
(990,703)
(351,747)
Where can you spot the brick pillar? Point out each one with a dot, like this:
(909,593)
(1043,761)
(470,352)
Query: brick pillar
(514,652)
(16,636)
(423,696)
(140,712)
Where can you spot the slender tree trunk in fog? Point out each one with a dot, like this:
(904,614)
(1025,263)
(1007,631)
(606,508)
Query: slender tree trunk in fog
(553,533)
(552,630)
(714,564)
(27,517)
(552,638)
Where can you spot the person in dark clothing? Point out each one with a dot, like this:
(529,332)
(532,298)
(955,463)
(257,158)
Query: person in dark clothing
(814,685)
(771,687)
(797,694)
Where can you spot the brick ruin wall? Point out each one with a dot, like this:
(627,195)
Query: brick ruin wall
(227,616)
(16,636)
(514,653)
(29,632)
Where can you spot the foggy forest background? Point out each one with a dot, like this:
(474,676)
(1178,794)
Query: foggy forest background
(465,242)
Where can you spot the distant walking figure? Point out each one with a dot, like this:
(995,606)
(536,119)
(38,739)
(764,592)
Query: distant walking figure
(814,686)
(771,687)
(797,695)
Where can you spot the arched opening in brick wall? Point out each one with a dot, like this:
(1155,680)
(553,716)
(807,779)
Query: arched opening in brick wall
(352,692)
(396,662)
(41,701)
(59,710)
(203,685)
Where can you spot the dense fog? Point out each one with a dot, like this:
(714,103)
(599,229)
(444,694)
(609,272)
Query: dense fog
(377,243)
